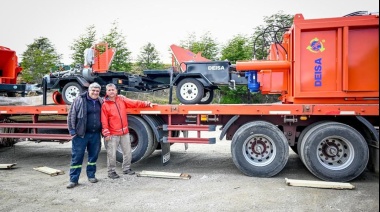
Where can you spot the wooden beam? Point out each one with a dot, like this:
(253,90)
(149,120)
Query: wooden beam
(7,166)
(318,184)
(49,171)
(168,175)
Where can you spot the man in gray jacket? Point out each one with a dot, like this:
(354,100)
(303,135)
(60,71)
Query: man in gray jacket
(84,124)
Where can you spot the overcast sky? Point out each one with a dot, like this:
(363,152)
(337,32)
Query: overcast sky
(161,22)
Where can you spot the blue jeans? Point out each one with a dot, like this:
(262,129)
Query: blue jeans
(91,142)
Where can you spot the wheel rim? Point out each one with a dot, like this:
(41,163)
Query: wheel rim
(189,91)
(259,150)
(335,153)
(134,139)
(206,96)
(71,93)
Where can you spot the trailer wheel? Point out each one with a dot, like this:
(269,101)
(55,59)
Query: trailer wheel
(208,96)
(259,149)
(335,152)
(142,140)
(70,91)
(302,135)
(190,91)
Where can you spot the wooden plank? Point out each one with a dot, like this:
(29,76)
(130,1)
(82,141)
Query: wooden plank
(49,171)
(168,175)
(7,166)
(318,184)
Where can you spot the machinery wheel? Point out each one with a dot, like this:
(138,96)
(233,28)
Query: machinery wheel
(207,97)
(190,91)
(142,139)
(70,91)
(334,151)
(259,149)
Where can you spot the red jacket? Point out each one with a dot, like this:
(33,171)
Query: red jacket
(114,114)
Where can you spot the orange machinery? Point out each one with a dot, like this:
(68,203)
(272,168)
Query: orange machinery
(9,68)
(327,61)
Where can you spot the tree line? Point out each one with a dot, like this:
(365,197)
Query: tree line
(41,57)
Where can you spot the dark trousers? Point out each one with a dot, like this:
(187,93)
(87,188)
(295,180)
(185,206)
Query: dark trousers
(91,142)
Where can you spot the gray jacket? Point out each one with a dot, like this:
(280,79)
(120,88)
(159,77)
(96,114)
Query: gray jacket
(77,118)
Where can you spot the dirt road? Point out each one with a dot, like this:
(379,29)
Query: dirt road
(215,184)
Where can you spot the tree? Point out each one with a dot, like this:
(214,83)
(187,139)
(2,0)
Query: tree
(116,39)
(38,60)
(275,26)
(238,48)
(83,42)
(149,58)
(206,45)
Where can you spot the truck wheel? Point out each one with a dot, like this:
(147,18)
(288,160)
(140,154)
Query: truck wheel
(334,151)
(207,97)
(70,91)
(259,149)
(190,91)
(302,135)
(142,140)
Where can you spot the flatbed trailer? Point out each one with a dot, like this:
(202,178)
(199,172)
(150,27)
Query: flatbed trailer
(326,71)
(261,134)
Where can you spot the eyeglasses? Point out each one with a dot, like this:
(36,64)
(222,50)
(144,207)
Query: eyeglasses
(95,91)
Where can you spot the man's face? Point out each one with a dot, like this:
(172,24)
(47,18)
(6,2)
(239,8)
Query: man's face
(111,92)
(94,93)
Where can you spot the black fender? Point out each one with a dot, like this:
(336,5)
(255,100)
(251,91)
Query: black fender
(370,127)
(201,78)
(62,82)
(227,126)
(156,123)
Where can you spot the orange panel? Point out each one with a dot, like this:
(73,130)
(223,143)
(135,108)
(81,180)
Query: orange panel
(318,71)
(363,60)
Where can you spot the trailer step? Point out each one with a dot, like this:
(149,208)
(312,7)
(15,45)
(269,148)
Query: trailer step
(209,128)
(36,136)
(189,140)
(33,125)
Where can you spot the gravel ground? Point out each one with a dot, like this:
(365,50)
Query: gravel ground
(215,184)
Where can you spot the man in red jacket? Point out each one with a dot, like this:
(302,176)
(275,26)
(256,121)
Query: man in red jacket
(115,128)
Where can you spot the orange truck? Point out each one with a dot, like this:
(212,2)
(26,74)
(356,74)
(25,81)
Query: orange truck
(327,73)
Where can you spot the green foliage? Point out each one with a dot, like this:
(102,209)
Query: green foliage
(149,58)
(39,58)
(206,45)
(116,39)
(275,26)
(238,48)
(83,42)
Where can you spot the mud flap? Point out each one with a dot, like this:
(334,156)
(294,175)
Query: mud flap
(165,153)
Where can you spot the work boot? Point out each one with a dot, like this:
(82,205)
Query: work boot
(93,180)
(129,171)
(71,185)
(113,175)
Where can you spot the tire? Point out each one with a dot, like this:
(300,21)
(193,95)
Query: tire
(260,136)
(294,148)
(302,135)
(190,91)
(70,91)
(142,139)
(334,151)
(207,97)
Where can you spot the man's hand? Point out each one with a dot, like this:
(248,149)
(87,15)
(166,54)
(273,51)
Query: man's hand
(150,104)
(107,138)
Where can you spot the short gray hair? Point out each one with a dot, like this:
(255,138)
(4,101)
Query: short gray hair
(94,85)
(110,85)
